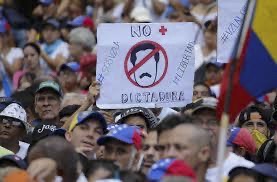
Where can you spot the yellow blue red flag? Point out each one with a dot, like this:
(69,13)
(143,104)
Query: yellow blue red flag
(256,70)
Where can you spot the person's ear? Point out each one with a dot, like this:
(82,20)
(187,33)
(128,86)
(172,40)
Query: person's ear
(204,154)
(68,136)
(241,151)
(138,161)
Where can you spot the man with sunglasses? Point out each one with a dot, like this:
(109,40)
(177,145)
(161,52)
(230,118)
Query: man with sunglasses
(13,127)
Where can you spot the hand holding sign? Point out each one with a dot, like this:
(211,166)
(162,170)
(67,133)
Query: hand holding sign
(93,94)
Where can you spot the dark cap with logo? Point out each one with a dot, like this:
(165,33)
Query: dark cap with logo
(50,85)
(151,119)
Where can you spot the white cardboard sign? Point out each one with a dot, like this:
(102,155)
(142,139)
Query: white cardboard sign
(230,20)
(148,65)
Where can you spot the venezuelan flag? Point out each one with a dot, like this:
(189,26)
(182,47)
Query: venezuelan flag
(73,123)
(256,70)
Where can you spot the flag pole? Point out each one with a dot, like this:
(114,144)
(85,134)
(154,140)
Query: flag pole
(224,121)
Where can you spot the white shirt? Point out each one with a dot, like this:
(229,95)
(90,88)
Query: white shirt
(22,153)
(14,53)
(216,90)
(148,4)
(61,49)
(230,162)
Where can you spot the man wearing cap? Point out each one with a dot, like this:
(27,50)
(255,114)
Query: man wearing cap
(122,145)
(139,116)
(48,102)
(84,131)
(205,111)
(242,143)
(68,77)
(180,138)
(54,50)
(256,120)
(13,127)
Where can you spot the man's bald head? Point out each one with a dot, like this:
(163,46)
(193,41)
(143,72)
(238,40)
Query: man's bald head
(181,139)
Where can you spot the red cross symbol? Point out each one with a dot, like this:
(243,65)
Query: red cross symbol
(163,30)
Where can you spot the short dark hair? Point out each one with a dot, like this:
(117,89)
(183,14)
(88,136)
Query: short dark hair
(62,152)
(174,120)
(94,165)
(131,176)
(143,47)
(247,155)
(26,98)
(241,171)
(203,84)
(34,46)
(68,110)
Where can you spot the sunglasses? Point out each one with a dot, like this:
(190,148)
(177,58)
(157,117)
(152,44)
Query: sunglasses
(12,122)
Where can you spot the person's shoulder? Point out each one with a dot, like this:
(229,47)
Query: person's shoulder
(236,160)
(16,51)
(63,45)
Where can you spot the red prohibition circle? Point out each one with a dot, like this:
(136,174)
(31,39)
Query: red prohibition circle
(157,46)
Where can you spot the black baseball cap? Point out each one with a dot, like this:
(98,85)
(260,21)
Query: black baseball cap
(17,161)
(247,114)
(151,119)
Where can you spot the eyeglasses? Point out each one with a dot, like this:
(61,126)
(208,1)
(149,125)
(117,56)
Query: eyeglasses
(12,122)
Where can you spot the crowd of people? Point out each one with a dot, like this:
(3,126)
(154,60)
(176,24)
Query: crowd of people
(52,130)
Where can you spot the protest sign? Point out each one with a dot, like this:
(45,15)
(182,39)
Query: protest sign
(149,65)
(230,19)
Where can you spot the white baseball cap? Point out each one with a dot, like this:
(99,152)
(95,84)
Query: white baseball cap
(16,111)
